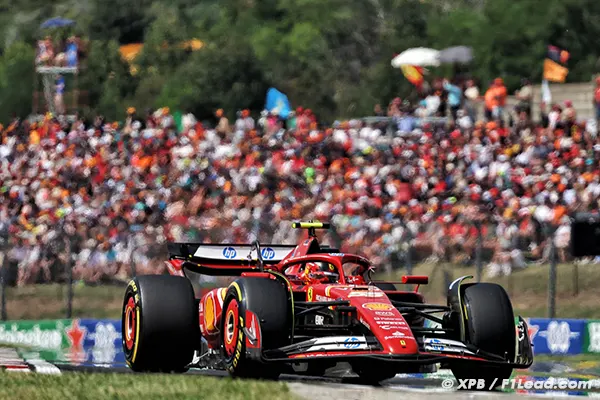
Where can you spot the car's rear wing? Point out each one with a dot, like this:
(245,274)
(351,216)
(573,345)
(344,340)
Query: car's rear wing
(228,259)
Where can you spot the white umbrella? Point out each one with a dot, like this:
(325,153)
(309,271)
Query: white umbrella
(418,56)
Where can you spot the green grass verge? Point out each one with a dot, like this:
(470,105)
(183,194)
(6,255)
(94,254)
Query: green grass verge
(527,289)
(17,386)
(49,301)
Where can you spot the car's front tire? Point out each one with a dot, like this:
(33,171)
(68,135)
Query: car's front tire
(490,326)
(160,327)
(268,300)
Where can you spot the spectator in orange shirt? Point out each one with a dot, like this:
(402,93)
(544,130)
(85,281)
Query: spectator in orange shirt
(495,100)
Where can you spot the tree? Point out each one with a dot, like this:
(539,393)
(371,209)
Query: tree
(223,75)
(16,80)
(124,21)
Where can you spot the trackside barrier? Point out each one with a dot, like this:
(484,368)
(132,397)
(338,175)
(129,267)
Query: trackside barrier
(98,342)
(74,341)
(562,336)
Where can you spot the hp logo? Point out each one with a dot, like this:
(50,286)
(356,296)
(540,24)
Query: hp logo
(267,253)
(229,252)
(351,343)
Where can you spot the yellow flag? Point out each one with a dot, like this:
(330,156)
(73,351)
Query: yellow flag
(554,72)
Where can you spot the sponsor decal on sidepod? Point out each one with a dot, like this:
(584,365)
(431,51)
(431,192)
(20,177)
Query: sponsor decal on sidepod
(365,294)
(389,327)
(391,322)
(378,306)
(395,335)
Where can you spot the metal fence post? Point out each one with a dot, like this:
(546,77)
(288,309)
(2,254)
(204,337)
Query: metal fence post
(479,252)
(409,265)
(575,279)
(69,277)
(408,252)
(3,283)
(131,258)
(447,281)
(552,279)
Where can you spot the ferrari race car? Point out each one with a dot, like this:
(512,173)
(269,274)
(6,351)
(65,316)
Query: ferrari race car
(305,308)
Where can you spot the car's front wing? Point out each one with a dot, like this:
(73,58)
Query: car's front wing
(340,348)
(345,348)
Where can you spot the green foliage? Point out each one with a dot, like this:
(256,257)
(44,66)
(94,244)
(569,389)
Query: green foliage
(106,75)
(221,76)
(330,55)
(16,81)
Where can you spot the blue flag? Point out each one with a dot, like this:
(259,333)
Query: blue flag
(277,101)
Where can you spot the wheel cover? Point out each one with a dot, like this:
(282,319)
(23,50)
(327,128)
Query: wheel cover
(231,328)
(129,325)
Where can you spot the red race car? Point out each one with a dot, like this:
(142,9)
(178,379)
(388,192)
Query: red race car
(311,306)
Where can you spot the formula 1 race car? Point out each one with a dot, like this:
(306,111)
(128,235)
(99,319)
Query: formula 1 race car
(305,308)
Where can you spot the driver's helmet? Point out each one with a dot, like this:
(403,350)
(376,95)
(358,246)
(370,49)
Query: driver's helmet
(319,272)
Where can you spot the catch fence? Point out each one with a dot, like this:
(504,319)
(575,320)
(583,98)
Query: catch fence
(68,269)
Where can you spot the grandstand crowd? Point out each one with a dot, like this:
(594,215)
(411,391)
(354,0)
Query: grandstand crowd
(104,196)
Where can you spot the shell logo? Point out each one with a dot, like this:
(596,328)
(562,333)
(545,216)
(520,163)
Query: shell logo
(378,306)
(209,313)
(309,294)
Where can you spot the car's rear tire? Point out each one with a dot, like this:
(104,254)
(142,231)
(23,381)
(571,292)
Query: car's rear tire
(490,326)
(160,327)
(269,300)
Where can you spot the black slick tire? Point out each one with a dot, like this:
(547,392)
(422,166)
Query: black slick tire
(268,300)
(160,327)
(490,326)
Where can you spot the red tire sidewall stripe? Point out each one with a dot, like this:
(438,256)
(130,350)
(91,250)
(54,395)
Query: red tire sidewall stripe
(231,315)
(130,322)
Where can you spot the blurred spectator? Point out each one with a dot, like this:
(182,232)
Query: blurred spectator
(58,95)
(454,97)
(223,128)
(72,51)
(112,195)
(45,51)
(525,97)
(471,99)
(597,99)
(495,100)
(66,56)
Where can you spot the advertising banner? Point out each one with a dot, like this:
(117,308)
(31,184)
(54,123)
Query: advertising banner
(557,336)
(76,341)
(591,339)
